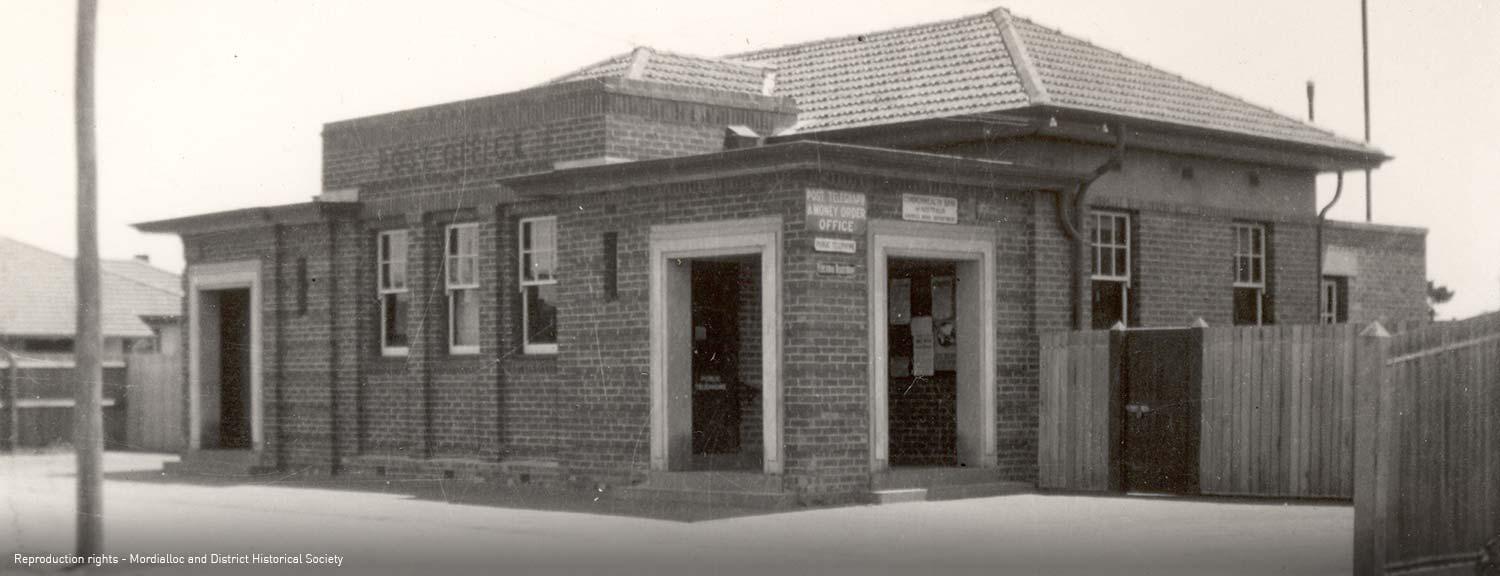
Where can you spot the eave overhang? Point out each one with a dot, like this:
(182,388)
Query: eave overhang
(796,156)
(247,218)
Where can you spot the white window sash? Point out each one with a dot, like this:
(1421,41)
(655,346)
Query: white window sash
(1247,250)
(455,258)
(1120,224)
(522,252)
(390,261)
(527,347)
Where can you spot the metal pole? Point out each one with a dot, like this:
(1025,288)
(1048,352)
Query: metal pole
(88,420)
(1364,32)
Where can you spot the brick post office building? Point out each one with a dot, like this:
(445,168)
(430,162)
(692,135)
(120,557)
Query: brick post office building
(803,269)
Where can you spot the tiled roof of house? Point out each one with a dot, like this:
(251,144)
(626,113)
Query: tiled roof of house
(36,293)
(678,69)
(982,63)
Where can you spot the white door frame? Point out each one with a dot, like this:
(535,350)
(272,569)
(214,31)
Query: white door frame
(223,276)
(966,244)
(671,432)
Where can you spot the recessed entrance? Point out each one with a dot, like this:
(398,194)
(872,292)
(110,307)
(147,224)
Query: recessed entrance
(224,363)
(932,335)
(224,401)
(716,346)
(726,369)
(923,375)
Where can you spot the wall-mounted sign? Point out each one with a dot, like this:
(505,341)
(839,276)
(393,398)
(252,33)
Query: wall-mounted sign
(919,208)
(835,269)
(834,212)
(839,245)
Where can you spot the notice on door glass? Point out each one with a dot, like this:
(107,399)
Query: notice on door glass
(899,296)
(921,346)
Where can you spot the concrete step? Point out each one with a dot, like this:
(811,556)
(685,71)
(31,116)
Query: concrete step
(218,463)
(732,499)
(715,481)
(899,495)
(928,477)
(984,490)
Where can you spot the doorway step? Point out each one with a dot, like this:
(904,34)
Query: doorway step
(916,484)
(218,463)
(736,489)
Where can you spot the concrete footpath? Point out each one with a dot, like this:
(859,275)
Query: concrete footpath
(378,528)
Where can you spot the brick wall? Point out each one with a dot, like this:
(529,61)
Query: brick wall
(1390,285)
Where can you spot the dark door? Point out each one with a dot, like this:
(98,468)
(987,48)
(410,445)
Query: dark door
(1159,377)
(716,406)
(234,369)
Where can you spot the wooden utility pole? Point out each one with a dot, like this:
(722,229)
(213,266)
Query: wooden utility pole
(88,343)
(1364,35)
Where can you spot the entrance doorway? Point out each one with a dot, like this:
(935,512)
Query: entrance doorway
(224,401)
(923,376)
(224,391)
(725,354)
(932,340)
(716,346)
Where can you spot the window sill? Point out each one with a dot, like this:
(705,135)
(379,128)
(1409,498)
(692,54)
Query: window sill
(463,351)
(394,352)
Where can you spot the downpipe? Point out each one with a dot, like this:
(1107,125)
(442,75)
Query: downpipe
(1072,224)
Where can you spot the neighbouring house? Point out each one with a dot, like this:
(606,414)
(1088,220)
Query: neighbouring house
(141,315)
(799,273)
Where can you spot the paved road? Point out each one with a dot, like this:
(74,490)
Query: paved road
(388,530)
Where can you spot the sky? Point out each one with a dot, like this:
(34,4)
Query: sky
(209,106)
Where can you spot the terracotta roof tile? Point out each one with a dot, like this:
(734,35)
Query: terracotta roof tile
(1081,75)
(932,70)
(966,66)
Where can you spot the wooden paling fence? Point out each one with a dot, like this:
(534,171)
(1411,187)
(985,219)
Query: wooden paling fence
(1075,401)
(1275,418)
(155,409)
(1427,500)
(1277,411)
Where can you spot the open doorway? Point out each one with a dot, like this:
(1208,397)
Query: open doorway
(224,372)
(715,346)
(224,386)
(923,375)
(725,363)
(932,346)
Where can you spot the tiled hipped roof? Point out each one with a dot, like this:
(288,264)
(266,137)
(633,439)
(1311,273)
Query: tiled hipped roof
(983,63)
(36,293)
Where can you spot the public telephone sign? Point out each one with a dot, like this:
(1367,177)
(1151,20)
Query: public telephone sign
(835,212)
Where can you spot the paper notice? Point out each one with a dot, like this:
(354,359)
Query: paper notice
(942,297)
(921,346)
(899,297)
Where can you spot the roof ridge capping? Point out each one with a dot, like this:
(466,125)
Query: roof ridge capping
(1031,81)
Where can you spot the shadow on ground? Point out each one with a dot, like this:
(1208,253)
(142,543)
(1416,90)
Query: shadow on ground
(524,497)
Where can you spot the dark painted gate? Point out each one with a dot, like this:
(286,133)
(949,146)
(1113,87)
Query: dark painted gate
(1159,381)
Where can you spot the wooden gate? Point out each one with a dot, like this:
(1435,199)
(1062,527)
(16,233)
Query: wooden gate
(156,405)
(1273,405)
(1159,380)
(1428,496)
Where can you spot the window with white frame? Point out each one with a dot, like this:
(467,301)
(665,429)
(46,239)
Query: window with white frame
(1111,268)
(461,265)
(1249,274)
(538,280)
(395,297)
(1334,306)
